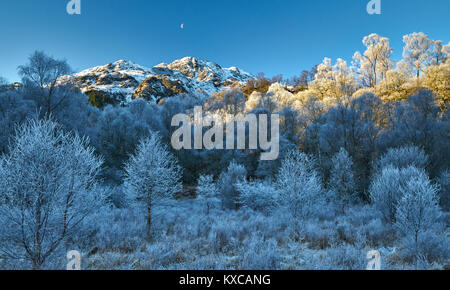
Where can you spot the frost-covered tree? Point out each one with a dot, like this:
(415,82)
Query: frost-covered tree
(267,169)
(387,188)
(373,64)
(350,125)
(403,157)
(444,183)
(417,51)
(228,180)
(333,80)
(419,122)
(14,109)
(300,187)
(342,177)
(47,188)
(206,187)
(77,114)
(323,84)
(291,126)
(437,79)
(207,191)
(41,76)
(344,77)
(395,86)
(152,174)
(259,100)
(273,100)
(231,101)
(440,52)
(280,95)
(418,213)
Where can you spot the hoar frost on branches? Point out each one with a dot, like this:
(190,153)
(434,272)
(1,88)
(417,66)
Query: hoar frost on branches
(388,187)
(48,182)
(207,191)
(152,174)
(418,51)
(342,178)
(417,216)
(228,181)
(333,80)
(375,61)
(300,187)
(258,196)
(403,157)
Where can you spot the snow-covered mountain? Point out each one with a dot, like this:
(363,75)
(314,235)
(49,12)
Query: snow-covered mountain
(122,81)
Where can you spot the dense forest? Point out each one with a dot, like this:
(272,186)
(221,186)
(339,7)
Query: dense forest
(363,165)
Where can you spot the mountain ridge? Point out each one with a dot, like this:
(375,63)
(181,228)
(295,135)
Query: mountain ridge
(122,81)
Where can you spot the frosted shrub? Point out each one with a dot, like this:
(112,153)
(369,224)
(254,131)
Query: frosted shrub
(342,177)
(224,237)
(366,220)
(258,254)
(430,247)
(111,229)
(388,187)
(342,257)
(228,180)
(207,191)
(209,262)
(319,235)
(258,196)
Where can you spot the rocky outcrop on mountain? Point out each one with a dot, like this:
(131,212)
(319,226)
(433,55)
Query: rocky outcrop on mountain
(156,87)
(122,81)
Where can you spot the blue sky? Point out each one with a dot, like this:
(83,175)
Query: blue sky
(275,37)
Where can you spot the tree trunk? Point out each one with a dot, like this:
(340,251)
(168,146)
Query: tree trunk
(35,265)
(149,217)
(296,236)
(37,258)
